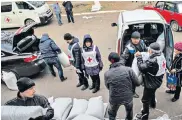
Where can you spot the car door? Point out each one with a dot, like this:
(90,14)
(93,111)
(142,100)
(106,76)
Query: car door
(9,17)
(168,12)
(159,7)
(26,12)
(169,46)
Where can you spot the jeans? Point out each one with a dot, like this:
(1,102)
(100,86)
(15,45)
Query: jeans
(58,16)
(147,99)
(54,61)
(70,16)
(113,109)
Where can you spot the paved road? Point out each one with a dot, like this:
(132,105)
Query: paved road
(105,37)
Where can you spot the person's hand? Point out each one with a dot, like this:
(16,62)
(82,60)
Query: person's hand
(173,70)
(137,54)
(78,71)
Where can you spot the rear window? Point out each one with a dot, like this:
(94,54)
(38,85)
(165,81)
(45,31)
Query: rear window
(6,7)
(37,4)
(180,8)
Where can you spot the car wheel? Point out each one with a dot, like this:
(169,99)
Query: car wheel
(29,21)
(175,26)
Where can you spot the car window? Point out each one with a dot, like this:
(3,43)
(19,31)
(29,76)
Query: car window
(6,7)
(24,5)
(180,8)
(37,4)
(160,5)
(169,7)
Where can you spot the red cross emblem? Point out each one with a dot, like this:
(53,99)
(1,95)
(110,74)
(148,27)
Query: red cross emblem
(164,65)
(8,20)
(89,59)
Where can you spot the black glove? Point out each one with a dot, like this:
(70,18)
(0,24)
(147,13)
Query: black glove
(37,118)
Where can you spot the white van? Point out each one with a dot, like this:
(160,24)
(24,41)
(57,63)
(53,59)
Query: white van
(19,13)
(152,27)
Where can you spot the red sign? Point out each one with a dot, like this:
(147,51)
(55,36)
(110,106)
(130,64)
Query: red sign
(7,19)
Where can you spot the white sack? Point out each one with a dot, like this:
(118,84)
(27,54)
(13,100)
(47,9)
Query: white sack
(62,107)
(64,60)
(96,107)
(145,56)
(10,80)
(21,112)
(85,117)
(79,107)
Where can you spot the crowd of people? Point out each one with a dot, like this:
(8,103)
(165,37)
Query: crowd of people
(120,79)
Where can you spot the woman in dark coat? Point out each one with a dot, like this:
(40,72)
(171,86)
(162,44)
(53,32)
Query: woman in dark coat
(92,63)
(177,69)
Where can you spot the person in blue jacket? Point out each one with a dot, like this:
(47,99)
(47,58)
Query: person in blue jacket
(57,11)
(49,51)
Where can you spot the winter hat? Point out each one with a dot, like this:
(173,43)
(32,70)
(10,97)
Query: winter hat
(155,47)
(114,56)
(24,84)
(178,46)
(135,34)
(68,36)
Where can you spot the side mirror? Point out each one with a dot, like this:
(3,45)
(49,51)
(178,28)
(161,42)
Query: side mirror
(31,8)
(114,24)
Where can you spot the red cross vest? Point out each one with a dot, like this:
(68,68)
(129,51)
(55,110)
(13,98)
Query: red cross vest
(162,65)
(70,54)
(90,58)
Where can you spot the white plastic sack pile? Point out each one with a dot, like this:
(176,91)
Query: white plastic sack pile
(145,56)
(96,108)
(85,117)
(21,112)
(64,60)
(79,107)
(164,117)
(10,80)
(62,107)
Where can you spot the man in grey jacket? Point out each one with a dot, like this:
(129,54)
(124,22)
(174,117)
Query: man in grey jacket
(119,80)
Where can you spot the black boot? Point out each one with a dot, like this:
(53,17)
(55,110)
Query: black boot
(170,91)
(79,84)
(84,87)
(63,79)
(174,99)
(97,86)
(93,85)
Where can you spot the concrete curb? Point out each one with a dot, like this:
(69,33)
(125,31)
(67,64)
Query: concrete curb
(99,12)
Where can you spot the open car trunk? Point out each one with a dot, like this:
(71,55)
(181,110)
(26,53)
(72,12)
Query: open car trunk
(22,41)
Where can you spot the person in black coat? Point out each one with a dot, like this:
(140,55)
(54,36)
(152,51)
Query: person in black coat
(74,54)
(177,69)
(134,46)
(27,97)
(153,71)
(68,8)
(119,80)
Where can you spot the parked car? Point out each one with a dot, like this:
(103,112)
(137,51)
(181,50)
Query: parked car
(152,28)
(22,65)
(19,13)
(171,11)
(21,41)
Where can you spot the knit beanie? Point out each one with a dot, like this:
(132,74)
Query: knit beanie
(114,56)
(178,46)
(155,47)
(25,84)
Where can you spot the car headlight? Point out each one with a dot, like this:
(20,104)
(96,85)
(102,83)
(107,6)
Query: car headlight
(41,14)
